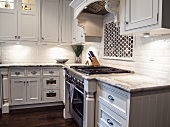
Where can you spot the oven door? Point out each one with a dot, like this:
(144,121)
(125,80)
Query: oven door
(78,102)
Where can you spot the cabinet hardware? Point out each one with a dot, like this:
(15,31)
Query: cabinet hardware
(109,122)
(16,37)
(81,35)
(126,22)
(33,72)
(110,98)
(51,72)
(19,37)
(17,73)
(51,79)
(42,38)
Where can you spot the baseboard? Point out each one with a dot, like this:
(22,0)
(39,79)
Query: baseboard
(41,105)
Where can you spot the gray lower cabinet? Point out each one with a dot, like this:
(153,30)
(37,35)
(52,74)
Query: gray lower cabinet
(118,108)
(25,90)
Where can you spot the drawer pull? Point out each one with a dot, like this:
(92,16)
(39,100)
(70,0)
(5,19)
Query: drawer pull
(110,98)
(109,122)
(17,73)
(33,72)
(51,91)
(51,72)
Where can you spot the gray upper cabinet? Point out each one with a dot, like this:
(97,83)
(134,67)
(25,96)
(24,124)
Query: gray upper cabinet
(144,16)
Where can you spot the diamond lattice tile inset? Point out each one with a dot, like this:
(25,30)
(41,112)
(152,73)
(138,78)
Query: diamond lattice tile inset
(116,45)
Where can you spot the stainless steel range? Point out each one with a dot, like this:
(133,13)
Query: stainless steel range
(89,70)
(82,92)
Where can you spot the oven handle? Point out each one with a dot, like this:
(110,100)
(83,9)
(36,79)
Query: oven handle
(79,90)
(75,88)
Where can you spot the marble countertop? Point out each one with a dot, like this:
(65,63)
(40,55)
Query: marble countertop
(129,82)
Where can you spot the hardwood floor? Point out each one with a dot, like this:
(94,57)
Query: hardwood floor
(39,117)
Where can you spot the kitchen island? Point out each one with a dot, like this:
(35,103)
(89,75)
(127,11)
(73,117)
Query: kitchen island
(125,100)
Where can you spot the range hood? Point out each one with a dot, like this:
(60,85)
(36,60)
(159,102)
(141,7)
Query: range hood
(111,6)
(90,15)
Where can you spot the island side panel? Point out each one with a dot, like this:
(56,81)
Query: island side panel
(150,109)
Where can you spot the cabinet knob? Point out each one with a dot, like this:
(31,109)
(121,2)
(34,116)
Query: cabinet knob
(17,73)
(126,22)
(16,37)
(42,38)
(19,37)
(109,122)
(33,72)
(81,35)
(51,72)
(110,98)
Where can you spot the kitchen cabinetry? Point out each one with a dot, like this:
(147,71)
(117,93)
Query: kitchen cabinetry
(56,21)
(50,20)
(143,16)
(25,90)
(19,20)
(77,32)
(34,85)
(51,84)
(116,107)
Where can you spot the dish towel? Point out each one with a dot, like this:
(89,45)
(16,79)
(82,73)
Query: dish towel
(71,87)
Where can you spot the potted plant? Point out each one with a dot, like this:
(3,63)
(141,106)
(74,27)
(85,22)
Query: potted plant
(78,49)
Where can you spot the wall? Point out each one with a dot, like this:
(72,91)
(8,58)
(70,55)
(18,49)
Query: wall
(13,53)
(151,57)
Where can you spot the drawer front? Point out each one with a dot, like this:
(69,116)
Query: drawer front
(34,71)
(51,83)
(51,95)
(107,118)
(115,97)
(17,72)
(51,71)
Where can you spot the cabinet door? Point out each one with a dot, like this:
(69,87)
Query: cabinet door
(50,20)
(66,24)
(8,20)
(18,91)
(33,90)
(140,13)
(28,20)
(77,32)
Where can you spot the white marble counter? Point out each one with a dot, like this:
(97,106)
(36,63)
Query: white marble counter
(129,82)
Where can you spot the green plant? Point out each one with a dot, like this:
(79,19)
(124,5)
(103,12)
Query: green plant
(77,49)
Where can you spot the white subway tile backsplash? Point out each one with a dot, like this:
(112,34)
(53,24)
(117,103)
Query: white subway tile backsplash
(35,53)
(151,58)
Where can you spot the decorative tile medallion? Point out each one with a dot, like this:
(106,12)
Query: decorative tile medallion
(116,45)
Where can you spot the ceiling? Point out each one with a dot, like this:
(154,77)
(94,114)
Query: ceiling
(96,8)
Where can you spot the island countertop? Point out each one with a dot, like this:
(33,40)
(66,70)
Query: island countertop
(129,82)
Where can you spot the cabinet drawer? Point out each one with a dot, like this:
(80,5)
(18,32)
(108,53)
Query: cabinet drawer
(51,82)
(115,97)
(51,95)
(108,118)
(19,72)
(34,71)
(51,71)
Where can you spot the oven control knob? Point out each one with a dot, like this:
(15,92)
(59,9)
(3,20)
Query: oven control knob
(70,76)
(81,82)
(74,79)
